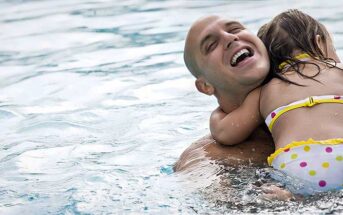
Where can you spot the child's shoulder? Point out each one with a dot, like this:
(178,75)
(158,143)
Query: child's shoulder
(339,65)
(270,95)
(273,87)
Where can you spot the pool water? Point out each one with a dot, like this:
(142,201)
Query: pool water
(96,105)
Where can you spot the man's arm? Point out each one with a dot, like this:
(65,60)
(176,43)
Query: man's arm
(234,127)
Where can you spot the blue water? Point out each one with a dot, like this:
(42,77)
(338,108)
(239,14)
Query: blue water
(96,104)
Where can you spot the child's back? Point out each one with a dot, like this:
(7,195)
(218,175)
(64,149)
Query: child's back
(318,121)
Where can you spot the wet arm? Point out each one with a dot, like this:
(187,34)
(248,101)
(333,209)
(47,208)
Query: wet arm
(236,126)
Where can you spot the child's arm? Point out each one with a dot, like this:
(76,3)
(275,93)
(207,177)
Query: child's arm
(236,126)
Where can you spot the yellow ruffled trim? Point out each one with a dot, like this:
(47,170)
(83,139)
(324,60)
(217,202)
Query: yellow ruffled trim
(300,143)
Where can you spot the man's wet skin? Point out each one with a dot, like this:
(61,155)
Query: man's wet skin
(253,151)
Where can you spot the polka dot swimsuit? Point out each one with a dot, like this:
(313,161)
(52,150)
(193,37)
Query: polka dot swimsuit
(318,163)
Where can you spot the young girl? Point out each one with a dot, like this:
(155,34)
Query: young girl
(302,104)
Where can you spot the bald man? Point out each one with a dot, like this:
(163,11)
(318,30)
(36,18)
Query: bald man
(227,61)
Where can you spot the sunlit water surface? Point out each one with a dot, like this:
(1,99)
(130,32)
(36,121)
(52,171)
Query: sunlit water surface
(96,104)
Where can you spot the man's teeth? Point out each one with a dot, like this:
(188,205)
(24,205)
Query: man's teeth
(238,54)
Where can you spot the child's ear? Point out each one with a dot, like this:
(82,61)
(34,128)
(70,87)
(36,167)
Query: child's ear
(321,44)
(203,86)
(328,49)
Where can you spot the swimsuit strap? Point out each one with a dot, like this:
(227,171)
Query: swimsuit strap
(308,102)
(302,56)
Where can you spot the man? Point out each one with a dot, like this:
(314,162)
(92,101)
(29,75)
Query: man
(228,62)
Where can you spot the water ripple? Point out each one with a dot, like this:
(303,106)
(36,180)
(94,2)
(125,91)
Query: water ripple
(95,99)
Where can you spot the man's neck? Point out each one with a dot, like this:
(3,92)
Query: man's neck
(229,103)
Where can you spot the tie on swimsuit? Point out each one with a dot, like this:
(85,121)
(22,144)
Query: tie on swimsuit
(308,102)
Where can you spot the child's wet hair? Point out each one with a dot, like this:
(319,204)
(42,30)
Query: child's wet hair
(290,31)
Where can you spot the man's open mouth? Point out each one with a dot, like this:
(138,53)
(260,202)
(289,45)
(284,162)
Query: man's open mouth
(240,56)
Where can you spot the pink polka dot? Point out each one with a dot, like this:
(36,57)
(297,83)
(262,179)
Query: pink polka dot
(322,183)
(336,97)
(273,114)
(328,149)
(286,150)
(303,164)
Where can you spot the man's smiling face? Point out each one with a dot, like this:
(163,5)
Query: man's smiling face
(227,55)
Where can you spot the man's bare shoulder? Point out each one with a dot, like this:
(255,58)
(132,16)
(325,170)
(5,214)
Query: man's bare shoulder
(206,151)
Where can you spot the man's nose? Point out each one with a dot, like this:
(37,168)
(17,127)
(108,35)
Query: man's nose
(228,39)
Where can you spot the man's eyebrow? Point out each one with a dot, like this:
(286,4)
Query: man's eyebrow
(227,24)
(209,36)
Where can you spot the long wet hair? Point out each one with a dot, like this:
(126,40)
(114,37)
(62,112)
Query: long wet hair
(294,30)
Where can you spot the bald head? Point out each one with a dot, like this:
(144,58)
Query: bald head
(191,45)
(209,54)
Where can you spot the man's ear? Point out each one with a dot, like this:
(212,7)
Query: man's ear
(203,86)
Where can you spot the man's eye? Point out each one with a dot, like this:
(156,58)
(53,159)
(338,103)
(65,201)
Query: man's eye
(210,47)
